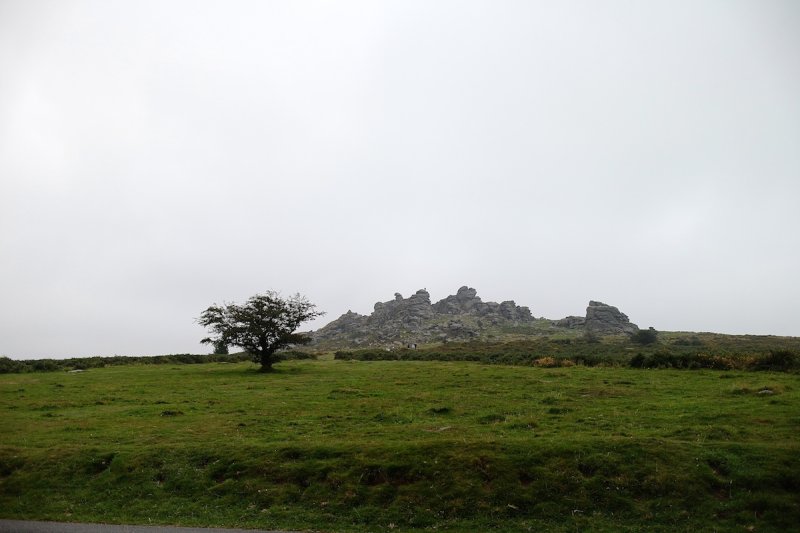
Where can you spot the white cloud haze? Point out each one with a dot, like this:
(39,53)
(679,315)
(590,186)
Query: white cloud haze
(157,157)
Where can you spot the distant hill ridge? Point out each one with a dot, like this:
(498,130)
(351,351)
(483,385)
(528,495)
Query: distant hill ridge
(460,316)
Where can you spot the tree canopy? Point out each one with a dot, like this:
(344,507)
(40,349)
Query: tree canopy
(262,326)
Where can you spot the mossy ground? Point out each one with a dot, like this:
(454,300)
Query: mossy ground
(398,446)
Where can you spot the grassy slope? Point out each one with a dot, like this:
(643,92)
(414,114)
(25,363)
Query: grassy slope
(371,446)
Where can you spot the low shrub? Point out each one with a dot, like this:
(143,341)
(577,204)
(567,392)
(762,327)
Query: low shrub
(774,360)
(295,355)
(645,336)
(735,354)
(666,359)
(10,366)
(777,361)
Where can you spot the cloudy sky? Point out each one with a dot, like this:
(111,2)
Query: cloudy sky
(157,157)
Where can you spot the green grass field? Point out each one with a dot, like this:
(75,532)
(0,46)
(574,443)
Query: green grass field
(400,446)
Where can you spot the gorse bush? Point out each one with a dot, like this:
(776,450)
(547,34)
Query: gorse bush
(645,336)
(666,359)
(777,360)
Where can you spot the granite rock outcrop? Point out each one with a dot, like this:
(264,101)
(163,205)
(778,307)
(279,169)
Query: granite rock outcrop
(606,319)
(416,320)
(460,316)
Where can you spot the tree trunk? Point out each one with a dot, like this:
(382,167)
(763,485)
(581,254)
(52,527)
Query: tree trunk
(266,362)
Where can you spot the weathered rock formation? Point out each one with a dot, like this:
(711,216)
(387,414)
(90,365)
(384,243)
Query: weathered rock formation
(466,302)
(570,322)
(408,313)
(607,320)
(458,317)
(414,319)
(461,302)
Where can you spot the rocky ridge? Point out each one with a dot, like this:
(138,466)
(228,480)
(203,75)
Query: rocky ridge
(462,316)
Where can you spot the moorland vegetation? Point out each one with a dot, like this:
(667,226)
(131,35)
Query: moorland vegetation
(529,428)
(353,446)
(677,350)
(665,350)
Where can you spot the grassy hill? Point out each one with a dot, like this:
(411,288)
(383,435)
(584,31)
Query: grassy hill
(404,445)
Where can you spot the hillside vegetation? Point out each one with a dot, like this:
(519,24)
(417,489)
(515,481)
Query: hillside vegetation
(403,446)
(12,366)
(674,350)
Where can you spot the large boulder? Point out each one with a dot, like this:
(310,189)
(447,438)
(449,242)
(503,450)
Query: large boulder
(607,320)
(515,313)
(467,302)
(408,312)
(345,328)
(463,301)
(570,322)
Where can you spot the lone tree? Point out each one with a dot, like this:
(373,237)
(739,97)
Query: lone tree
(263,325)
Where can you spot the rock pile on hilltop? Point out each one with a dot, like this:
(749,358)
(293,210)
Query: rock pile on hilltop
(466,301)
(601,319)
(460,316)
(607,319)
(415,320)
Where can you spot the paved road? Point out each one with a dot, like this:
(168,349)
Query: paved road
(25,526)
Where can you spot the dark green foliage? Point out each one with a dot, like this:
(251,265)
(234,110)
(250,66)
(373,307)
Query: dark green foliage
(638,360)
(265,324)
(777,360)
(8,366)
(645,336)
(220,348)
(45,365)
(294,355)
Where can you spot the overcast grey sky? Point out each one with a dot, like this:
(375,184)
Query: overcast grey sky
(157,157)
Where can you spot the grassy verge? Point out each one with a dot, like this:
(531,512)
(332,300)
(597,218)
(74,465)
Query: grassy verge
(401,446)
